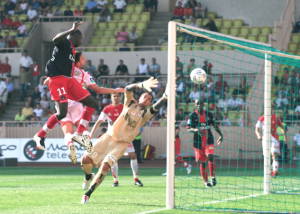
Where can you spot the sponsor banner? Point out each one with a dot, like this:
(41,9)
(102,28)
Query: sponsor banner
(10,147)
(56,151)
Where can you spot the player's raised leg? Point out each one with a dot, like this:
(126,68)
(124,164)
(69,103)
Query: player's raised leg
(90,105)
(39,138)
(87,166)
(97,180)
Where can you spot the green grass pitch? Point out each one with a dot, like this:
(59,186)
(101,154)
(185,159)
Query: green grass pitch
(58,190)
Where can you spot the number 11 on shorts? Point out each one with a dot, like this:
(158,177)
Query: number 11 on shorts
(61,89)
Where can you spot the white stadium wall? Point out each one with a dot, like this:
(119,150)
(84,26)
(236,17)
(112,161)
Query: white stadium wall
(297,10)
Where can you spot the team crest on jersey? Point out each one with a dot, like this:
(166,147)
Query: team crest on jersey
(131,122)
(62,97)
(117,114)
(109,114)
(76,73)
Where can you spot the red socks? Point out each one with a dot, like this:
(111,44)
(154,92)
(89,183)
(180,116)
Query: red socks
(203,173)
(85,119)
(211,166)
(180,160)
(68,144)
(51,122)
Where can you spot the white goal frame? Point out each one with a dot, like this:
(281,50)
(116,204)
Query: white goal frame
(172,30)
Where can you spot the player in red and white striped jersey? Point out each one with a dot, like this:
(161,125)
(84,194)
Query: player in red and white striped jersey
(75,109)
(275,144)
(111,114)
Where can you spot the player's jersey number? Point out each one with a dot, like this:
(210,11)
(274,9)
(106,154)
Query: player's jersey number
(61,91)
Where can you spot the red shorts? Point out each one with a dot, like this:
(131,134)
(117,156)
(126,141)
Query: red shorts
(62,88)
(177,146)
(201,154)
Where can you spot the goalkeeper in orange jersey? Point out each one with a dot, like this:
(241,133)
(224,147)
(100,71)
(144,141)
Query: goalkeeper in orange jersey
(112,145)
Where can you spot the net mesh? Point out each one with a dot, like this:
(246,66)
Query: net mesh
(234,94)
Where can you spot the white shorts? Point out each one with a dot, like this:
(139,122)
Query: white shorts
(75,110)
(275,145)
(129,149)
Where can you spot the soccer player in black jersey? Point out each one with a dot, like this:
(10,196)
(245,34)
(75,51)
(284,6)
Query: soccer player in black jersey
(200,122)
(62,86)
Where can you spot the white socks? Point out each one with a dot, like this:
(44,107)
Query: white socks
(114,171)
(135,168)
(275,165)
(68,139)
(85,132)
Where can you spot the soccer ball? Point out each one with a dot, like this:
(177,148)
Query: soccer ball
(198,76)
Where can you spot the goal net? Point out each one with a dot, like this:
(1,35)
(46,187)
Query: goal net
(246,79)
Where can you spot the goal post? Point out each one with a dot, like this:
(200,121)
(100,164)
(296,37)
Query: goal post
(267,130)
(242,164)
(171,116)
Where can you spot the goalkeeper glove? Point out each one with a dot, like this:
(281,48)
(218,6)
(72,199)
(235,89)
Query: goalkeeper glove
(148,84)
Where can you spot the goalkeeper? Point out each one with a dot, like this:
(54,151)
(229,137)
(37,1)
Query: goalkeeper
(112,145)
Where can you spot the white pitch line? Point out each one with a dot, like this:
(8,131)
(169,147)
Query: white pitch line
(151,211)
(231,199)
(247,196)
(224,200)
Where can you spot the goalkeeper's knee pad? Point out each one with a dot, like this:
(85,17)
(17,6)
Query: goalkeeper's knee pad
(110,159)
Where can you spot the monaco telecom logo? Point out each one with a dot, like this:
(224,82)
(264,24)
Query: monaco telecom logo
(31,152)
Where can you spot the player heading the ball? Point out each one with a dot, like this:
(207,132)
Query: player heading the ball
(62,86)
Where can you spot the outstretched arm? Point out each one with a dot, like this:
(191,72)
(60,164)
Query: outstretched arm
(159,103)
(147,84)
(131,87)
(59,37)
(95,127)
(101,90)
